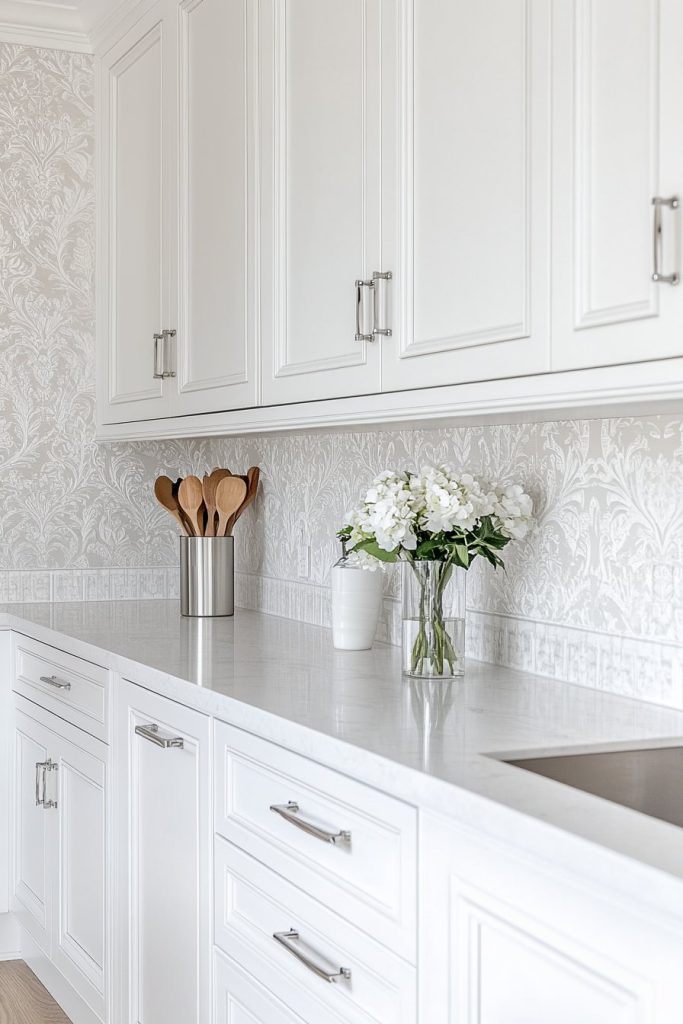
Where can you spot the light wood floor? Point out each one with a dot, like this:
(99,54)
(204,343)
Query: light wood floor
(23,1000)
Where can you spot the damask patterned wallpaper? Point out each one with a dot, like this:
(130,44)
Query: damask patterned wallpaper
(603,567)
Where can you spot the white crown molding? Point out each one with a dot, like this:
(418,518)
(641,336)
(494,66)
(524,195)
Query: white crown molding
(56,26)
(82,26)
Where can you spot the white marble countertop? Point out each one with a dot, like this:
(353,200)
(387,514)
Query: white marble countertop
(428,742)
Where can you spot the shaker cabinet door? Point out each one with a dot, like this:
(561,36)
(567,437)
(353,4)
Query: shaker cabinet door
(80,942)
(466,191)
(218,191)
(135,240)
(32,835)
(618,83)
(163,840)
(320,157)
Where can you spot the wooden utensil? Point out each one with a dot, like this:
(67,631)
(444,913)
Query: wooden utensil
(191,501)
(253,475)
(230,494)
(209,485)
(163,492)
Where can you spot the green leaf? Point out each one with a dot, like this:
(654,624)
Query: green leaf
(373,548)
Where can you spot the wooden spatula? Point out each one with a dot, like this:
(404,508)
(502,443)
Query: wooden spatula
(230,494)
(191,501)
(209,485)
(163,492)
(253,475)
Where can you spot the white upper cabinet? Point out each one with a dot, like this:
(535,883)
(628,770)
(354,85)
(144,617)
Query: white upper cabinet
(133,300)
(218,317)
(321,138)
(303,200)
(618,82)
(178,198)
(466,196)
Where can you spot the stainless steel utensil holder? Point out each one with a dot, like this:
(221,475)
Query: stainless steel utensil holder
(206,576)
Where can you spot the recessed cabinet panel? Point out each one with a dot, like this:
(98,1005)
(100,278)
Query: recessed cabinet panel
(508,939)
(80,941)
(163,857)
(135,249)
(31,858)
(218,194)
(617,87)
(321,146)
(469,224)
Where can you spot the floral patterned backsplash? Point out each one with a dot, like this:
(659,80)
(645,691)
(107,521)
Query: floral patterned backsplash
(606,552)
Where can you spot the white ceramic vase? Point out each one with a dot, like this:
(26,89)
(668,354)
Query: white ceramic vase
(356,604)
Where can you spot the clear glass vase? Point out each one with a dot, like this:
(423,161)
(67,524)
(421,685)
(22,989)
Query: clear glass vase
(433,619)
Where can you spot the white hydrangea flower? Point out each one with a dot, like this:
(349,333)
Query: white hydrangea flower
(386,514)
(363,560)
(446,502)
(513,511)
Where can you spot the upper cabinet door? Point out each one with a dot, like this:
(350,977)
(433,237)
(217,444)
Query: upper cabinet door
(217,322)
(133,222)
(466,192)
(320,158)
(618,82)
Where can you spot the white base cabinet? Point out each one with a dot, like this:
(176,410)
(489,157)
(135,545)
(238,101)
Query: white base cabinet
(506,941)
(60,844)
(163,851)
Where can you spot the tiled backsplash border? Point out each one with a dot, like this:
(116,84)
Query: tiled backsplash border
(137,584)
(646,669)
(641,668)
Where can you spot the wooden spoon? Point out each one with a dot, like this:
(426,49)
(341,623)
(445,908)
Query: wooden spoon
(253,475)
(163,492)
(209,485)
(230,494)
(191,501)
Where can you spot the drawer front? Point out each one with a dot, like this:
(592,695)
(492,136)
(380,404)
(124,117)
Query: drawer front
(368,875)
(74,689)
(370,985)
(239,999)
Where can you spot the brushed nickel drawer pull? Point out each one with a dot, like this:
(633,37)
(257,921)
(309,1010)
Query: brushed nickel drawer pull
(151,732)
(290,812)
(672,202)
(59,684)
(287,939)
(42,768)
(40,775)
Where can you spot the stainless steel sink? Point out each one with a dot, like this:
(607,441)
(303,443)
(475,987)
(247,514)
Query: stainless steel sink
(648,780)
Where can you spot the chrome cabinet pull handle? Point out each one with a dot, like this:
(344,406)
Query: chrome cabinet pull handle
(48,766)
(40,772)
(290,812)
(287,939)
(657,240)
(159,371)
(59,684)
(157,367)
(377,277)
(42,768)
(151,732)
(360,285)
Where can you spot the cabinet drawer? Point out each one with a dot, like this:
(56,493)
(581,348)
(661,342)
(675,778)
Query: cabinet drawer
(368,874)
(253,904)
(239,999)
(69,687)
